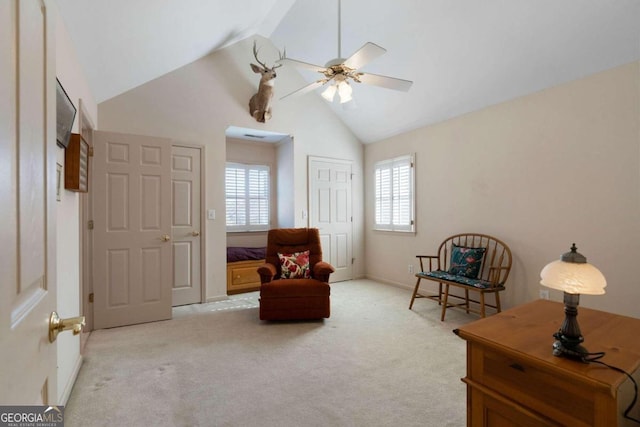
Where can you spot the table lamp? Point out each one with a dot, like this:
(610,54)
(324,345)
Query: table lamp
(574,276)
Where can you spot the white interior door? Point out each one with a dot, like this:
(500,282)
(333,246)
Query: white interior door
(132,265)
(330,207)
(185,226)
(27,208)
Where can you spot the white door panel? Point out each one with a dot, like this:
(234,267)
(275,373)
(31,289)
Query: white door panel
(185,177)
(132,262)
(27,190)
(342,255)
(330,206)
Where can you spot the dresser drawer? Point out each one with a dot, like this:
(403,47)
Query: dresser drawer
(242,276)
(551,395)
(495,411)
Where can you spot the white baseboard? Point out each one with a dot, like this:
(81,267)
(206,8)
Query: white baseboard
(72,380)
(217,298)
(411,287)
(390,282)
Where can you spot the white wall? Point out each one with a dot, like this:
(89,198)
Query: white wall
(196,104)
(286,208)
(71,76)
(539,172)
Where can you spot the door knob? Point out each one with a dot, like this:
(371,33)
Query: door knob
(165,238)
(195,233)
(57,325)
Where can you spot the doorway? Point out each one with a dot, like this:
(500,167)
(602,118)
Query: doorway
(186,166)
(147,242)
(86,130)
(330,210)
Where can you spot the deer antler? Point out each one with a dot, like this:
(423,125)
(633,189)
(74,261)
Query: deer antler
(255,55)
(280,54)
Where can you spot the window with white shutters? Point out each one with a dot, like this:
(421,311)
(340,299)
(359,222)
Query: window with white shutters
(394,194)
(247,190)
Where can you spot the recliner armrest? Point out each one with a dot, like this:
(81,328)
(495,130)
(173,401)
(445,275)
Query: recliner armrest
(322,270)
(266,272)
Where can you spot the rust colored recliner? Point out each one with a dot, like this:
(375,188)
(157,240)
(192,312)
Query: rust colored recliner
(299,298)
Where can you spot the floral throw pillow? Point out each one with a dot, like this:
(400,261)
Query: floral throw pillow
(466,261)
(295,265)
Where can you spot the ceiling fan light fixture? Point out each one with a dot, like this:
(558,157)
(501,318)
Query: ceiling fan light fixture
(345,90)
(340,70)
(329,93)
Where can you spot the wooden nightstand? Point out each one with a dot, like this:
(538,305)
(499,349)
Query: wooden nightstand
(514,380)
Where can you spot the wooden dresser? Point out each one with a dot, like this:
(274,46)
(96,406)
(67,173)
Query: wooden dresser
(514,380)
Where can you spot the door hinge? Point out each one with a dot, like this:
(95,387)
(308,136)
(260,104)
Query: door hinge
(90,224)
(91,297)
(90,151)
(353,260)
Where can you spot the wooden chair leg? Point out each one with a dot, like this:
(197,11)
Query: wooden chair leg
(498,308)
(445,302)
(482,314)
(439,293)
(466,300)
(415,292)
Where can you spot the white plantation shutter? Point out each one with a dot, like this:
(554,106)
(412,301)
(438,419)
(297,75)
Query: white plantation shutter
(259,196)
(383,195)
(235,178)
(394,194)
(247,192)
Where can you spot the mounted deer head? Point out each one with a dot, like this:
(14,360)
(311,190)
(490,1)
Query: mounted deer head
(260,103)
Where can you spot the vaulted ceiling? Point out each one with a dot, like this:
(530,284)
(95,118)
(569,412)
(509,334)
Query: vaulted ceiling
(462,55)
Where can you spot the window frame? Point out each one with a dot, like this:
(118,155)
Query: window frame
(396,206)
(247,226)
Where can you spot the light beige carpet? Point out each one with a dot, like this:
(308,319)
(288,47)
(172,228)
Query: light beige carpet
(374,362)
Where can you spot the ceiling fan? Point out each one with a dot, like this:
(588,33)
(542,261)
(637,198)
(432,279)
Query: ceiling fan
(341,71)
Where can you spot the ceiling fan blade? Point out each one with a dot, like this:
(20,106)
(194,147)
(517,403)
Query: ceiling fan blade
(306,89)
(387,82)
(301,64)
(364,55)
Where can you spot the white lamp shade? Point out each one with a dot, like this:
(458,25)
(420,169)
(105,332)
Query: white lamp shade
(573,278)
(329,93)
(345,90)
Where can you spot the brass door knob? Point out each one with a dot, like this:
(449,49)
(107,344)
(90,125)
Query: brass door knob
(195,233)
(165,238)
(57,325)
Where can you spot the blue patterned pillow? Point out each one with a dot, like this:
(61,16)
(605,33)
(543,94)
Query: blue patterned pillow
(466,261)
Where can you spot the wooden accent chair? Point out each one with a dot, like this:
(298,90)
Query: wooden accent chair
(300,297)
(469,261)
